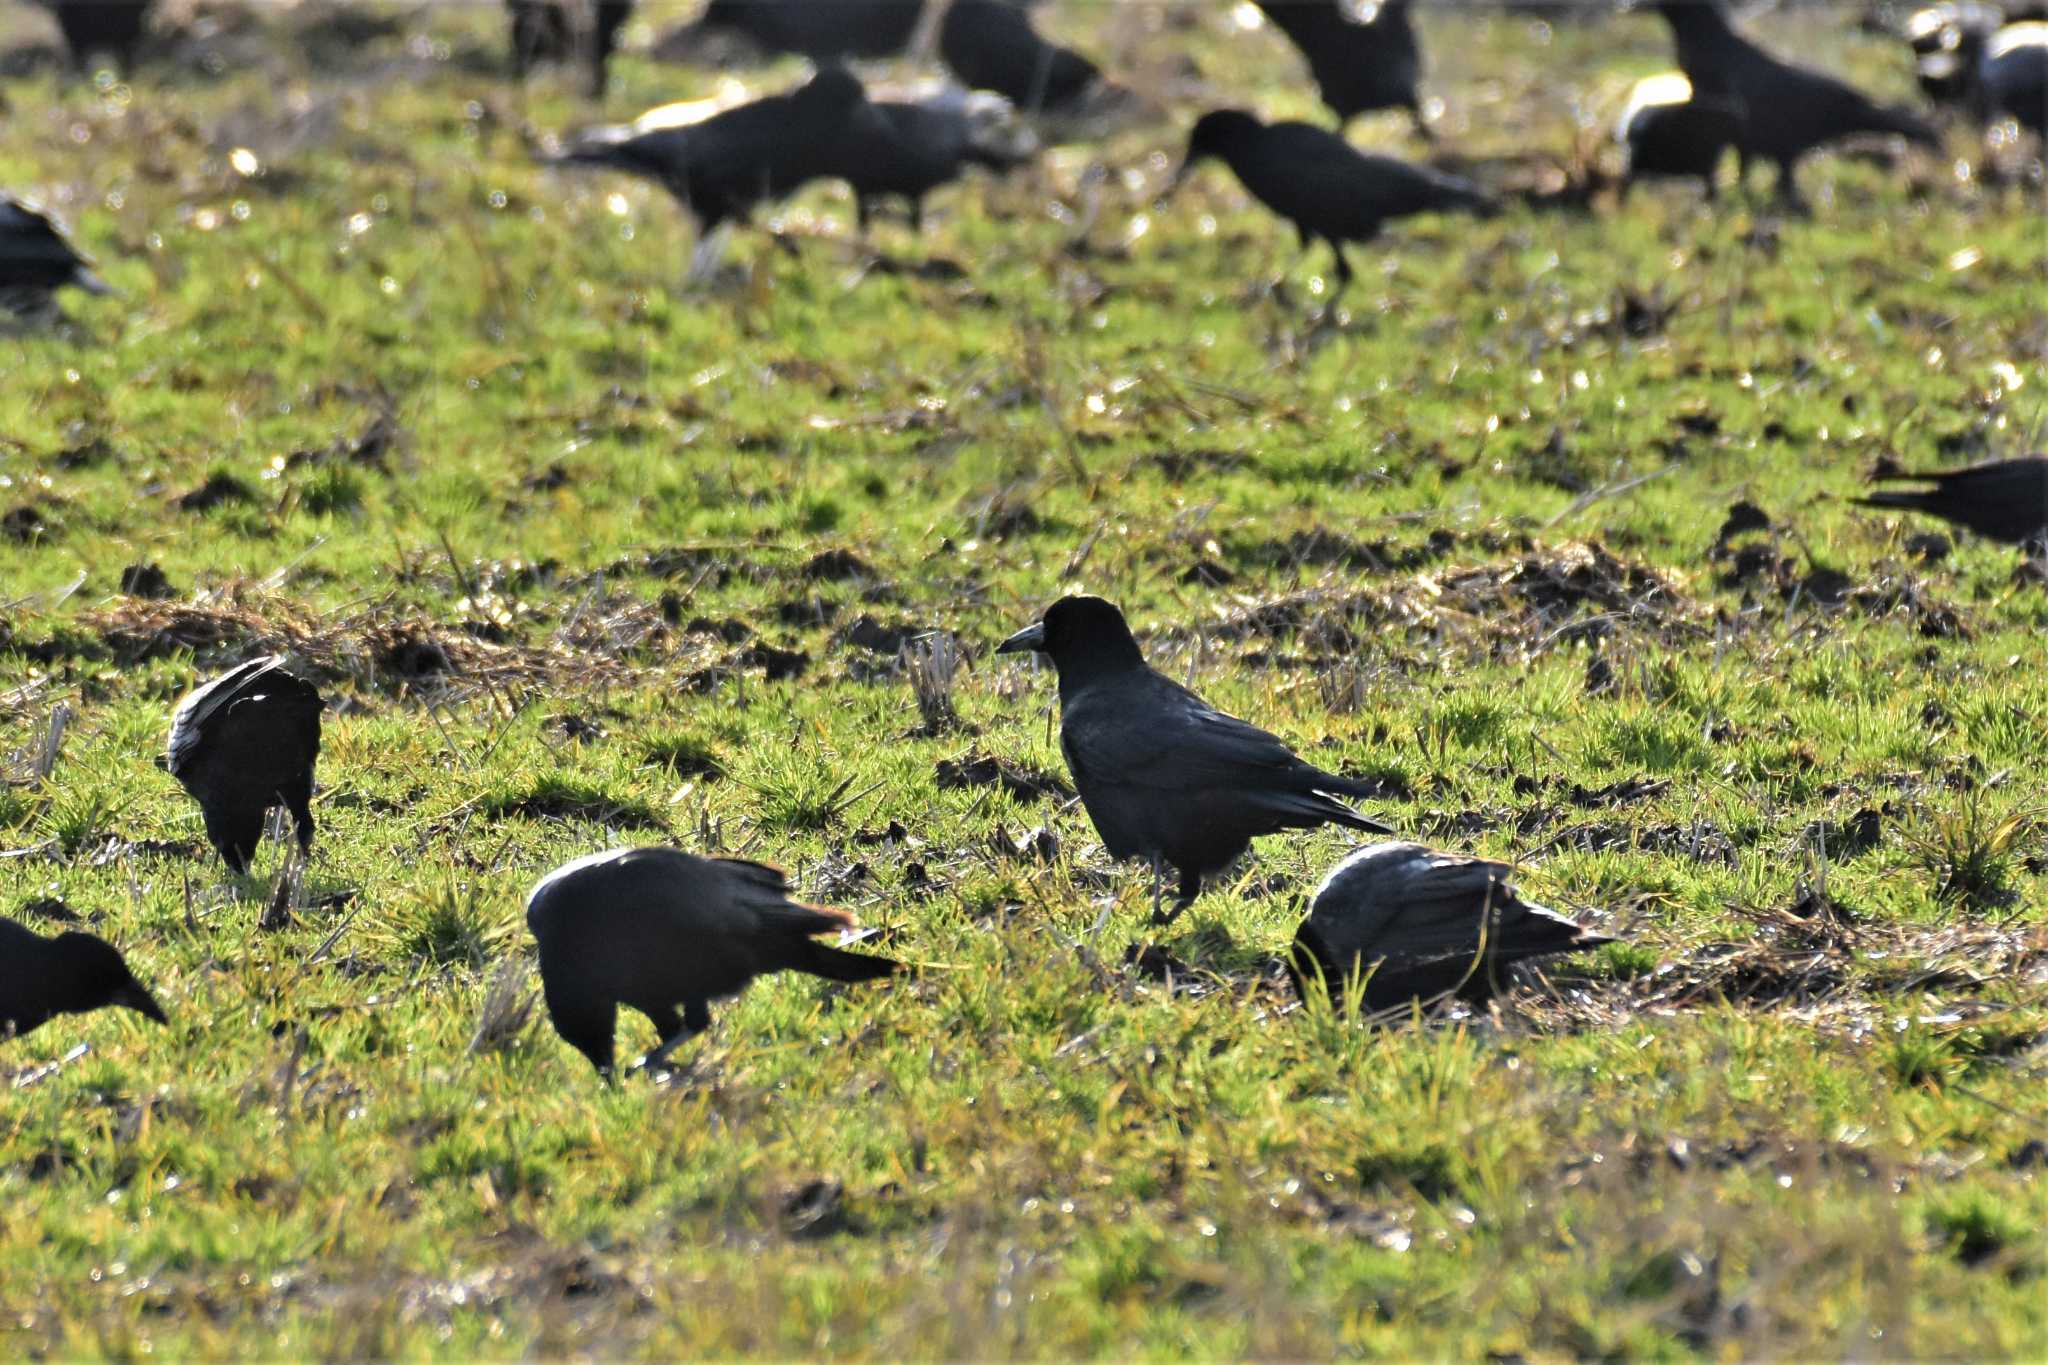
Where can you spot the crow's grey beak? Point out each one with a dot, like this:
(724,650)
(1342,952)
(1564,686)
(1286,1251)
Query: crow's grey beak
(142,1002)
(1029,640)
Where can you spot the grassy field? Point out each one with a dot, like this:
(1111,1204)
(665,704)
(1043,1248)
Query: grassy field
(584,557)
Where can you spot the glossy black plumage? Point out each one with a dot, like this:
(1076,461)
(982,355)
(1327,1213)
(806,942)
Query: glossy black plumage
(1411,923)
(1671,134)
(723,166)
(992,45)
(72,973)
(833,30)
(665,933)
(1787,110)
(243,743)
(95,27)
(2005,500)
(1358,67)
(1166,778)
(554,31)
(35,259)
(1322,184)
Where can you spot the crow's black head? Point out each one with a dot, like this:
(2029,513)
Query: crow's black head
(1081,635)
(93,974)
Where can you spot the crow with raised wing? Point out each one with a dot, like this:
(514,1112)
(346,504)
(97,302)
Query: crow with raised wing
(73,973)
(1322,184)
(665,932)
(243,743)
(1397,922)
(1166,778)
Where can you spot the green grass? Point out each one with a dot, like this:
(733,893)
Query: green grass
(546,525)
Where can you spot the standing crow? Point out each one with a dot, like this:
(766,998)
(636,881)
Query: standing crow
(102,26)
(1787,110)
(1948,41)
(663,932)
(721,167)
(1999,499)
(70,974)
(1669,133)
(1166,777)
(835,31)
(243,743)
(991,45)
(1409,923)
(1358,67)
(1320,182)
(936,138)
(546,30)
(35,260)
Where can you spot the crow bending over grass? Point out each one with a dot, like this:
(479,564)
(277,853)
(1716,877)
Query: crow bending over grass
(1671,134)
(1787,110)
(2004,500)
(1166,778)
(1358,67)
(665,933)
(1399,922)
(1322,184)
(547,31)
(991,45)
(72,973)
(834,31)
(244,743)
(36,261)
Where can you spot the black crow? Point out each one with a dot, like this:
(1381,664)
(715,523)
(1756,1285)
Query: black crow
(243,743)
(35,260)
(1359,67)
(550,31)
(2013,75)
(72,973)
(991,45)
(1322,184)
(1166,778)
(936,138)
(1670,133)
(1408,923)
(823,30)
(113,27)
(1948,42)
(2003,500)
(722,166)
(1787,110)
(666,933)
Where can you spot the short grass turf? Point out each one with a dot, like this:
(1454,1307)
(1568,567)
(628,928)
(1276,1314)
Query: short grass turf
(583,557)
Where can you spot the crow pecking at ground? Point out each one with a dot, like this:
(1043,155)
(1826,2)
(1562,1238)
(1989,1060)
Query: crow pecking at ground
(1166,778)
(665,933)
(72,973)
(1396,922)
(1322,184)
(244,743)
(36,261)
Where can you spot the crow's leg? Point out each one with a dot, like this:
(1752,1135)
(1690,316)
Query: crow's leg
(1190,887)
(675,1032)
